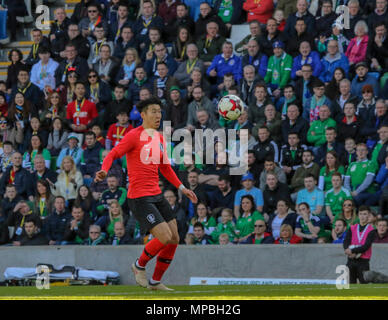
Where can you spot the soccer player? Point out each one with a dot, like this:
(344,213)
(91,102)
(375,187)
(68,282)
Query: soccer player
(145,152)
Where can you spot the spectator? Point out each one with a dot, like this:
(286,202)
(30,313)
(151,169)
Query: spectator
(308,226)
(35,148)
(354,17)
(292,46)
(270,36)
(332,165)
(15,9)
(179,45)
(86,201)
(271,167)
(307,167)
(339,231)
(274,191)
(126,41)
(210,44)
(69,180)
(72,62)
(113,193)
(200,237)
(161,55)
(224,195)
(107,221)
(225,226)
(126,73)
(15,56)
(256,58)
(41,171)
(77,229)
(123,19)
(359,177)
(344,97)
(53,108)
(44,201)
(306,56)
(336,196)
(362,79)
(255,33)
(72,150)
(106,66)
(207,14)
(43,71)
(301,12)
(279,68)
(283,215)
(154,37)
(176,108)
(182,19)
(9,135)
(19,177)
(311,195)
(178,211)
(203,215)
(332,90)
(287,236)
(260,12)
(376,53)
(88,24)
(139,82)
(265,146)
(331,144)
(332,60)
(351,125)
(163,82)
(39,41)
(58,29)
(356,51)
(74,36)
(145,21)
(225,63)
(200,102)
(348,213)
(291,154)
(20,215)
(247,218)
(382,231)
(32,236)
(247,182)
(379,13)
(259,235)
(312,105)
(288,98)
(121,236)
(9,201)
(101,38)
(95,236)
(316,134)
(57,139)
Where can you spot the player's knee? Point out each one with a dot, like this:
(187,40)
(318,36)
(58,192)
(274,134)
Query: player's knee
(174,239)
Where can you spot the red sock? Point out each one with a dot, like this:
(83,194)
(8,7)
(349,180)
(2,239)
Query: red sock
(151,249)
(163,261)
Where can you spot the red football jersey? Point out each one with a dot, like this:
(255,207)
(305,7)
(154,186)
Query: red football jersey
(116,133)
(86,113)
(145,155)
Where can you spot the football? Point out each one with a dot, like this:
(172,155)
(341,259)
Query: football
(230,107)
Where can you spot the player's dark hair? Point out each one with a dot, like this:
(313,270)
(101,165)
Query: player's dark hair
(143,105)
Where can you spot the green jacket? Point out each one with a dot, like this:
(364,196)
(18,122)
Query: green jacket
(279,73)
(319,128)
(208,54)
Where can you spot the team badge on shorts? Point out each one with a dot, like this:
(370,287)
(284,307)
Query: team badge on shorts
(151,218)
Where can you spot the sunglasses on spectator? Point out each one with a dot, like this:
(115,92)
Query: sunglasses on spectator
(92,11)
(347,205)
(367,92)
(92,232)
(93,76)
(3,121)
(259,225)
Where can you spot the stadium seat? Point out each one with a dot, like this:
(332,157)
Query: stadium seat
(238,32)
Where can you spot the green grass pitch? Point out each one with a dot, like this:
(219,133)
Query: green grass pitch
(235,292)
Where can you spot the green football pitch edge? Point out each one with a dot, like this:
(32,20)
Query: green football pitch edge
(249,292)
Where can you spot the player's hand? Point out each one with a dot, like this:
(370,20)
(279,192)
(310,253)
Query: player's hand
(190,194)
(100,176)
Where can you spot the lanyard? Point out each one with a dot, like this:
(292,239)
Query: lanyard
(360,237)
(148,23)
(25,89)
(94,92)
(96,23)
(190,67)
(12,175)
(78,110)
(151,47)
(54,111)
(183,51)
(42,205)
(35,48)
(119,135)
(99,47)
(208,42)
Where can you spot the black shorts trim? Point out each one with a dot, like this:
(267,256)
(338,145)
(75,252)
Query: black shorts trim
(150,211)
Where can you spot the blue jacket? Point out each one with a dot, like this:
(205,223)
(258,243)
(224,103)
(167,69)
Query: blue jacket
(23,182)
(330,64)
(233,65)
(91,160)
(150,66)
(56,225)
(382,177)
(357,85)
(259,61)
(313,59)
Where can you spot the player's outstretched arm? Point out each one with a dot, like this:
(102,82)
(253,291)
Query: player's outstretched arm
(189,193)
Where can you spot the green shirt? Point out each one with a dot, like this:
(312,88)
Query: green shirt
(335,200)
(319,128)
(376,151)
(225,11)
(357,171)
(246,225)
(279,70)
(327,177)
(349,222)
(228,228)
(30,157)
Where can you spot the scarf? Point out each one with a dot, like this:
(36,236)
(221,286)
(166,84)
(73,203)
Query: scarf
(314,107)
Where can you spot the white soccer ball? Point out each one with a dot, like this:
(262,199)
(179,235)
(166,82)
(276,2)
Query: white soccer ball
(230,107)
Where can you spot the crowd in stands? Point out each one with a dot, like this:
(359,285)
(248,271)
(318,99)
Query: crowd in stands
(316,97)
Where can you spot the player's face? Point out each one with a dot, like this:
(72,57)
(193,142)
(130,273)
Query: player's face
(152,116)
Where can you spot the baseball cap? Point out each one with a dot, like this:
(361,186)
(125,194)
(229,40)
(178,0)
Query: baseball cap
(247,176)
(278,44)
(361,64)
(72,136)
(174,88)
